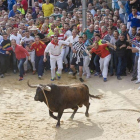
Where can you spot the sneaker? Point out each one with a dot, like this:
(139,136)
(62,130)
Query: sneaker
(139,88)
(91,71)
(111,74)
(105,79)
(58,75)
(2,76)
(15,71)
(34,71)
(39,77)
(137,82)
(74,73)
(52,79)
(96,74)
(119,78)
(88,77)
(81,79)
(133,79)
(21,78)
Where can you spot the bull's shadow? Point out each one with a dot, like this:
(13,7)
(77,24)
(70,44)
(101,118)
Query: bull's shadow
(80,132)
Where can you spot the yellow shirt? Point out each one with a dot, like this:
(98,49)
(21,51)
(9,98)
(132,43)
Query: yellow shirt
(50,33)
(47,9)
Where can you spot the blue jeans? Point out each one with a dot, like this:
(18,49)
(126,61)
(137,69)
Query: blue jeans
(21,66)
(39,64)
(122,16)
(121,67)
(96,63)
(14,61)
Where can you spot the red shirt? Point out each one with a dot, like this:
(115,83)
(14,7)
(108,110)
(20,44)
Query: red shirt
(25,4)
(101,51)
(20,52)
(39,48)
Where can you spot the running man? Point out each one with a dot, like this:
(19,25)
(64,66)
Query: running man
(54,48)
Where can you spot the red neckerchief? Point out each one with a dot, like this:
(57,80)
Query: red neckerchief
(55,44)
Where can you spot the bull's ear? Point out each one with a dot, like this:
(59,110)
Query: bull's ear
(47,88)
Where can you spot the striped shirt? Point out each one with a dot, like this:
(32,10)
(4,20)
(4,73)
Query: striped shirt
(80,48)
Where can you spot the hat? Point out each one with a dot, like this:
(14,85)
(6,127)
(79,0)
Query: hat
(34,28)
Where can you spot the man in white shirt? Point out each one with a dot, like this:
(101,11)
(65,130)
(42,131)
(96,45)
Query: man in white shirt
(16,36)
(90,8)
(26,42)
(54,49)
(65,49)
(73,38)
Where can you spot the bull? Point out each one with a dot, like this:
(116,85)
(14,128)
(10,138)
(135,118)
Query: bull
(61,97)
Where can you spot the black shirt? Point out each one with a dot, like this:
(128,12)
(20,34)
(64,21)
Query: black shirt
(6,44)
(42,36)
(3,7)
(121,52)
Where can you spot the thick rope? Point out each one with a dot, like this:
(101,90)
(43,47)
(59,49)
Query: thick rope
(46,100)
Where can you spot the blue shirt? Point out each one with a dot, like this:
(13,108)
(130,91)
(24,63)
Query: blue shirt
(116,6)
(134,21)
(2,51)
(137,53)
(128,8)
(12,13)
(86,44)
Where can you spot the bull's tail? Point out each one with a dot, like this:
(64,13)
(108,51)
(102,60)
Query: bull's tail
(97,96)
(93,96)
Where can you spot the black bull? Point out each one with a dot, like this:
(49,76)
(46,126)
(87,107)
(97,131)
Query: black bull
(60,97)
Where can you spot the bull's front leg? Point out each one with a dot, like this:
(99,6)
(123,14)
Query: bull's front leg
(51,114)
(60,112)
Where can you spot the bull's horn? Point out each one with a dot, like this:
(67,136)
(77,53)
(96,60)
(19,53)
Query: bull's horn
(47,88)
(32,86)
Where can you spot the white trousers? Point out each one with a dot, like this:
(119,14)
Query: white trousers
(53,60)
(104,63)
(138,70)
(64,54)
(32,56)
(86,65)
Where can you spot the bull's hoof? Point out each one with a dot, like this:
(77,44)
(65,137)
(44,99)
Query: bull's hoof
(87,114)
(58,126)
(138,120)
(71,118)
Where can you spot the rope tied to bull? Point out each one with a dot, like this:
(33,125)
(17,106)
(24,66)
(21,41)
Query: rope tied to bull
(46,100)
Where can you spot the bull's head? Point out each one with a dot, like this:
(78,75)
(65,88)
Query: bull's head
(39,91)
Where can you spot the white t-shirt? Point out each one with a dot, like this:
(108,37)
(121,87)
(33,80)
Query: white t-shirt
(121,11)
(72,40)
(92,12)
(26,40)
(68,33)
(55,50)
(17,38)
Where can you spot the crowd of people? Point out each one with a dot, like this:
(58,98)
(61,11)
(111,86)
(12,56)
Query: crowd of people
(42,35)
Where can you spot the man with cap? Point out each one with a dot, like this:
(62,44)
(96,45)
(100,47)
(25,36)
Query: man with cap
(35,32)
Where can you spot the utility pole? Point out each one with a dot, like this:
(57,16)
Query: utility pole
(84,9)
